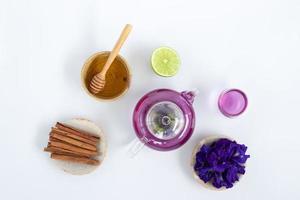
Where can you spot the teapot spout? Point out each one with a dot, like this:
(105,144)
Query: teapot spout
(189,96)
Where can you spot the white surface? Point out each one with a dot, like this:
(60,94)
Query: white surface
(253,45)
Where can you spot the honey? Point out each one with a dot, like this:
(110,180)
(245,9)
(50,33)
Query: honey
(117,78)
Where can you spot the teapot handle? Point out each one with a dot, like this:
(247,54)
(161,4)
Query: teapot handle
(190,95)
(136,146)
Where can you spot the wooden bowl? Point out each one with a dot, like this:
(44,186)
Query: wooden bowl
(94,65)
(207,141)
(78,168)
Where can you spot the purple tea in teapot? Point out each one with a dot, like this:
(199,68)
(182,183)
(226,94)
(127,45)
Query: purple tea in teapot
(164,119)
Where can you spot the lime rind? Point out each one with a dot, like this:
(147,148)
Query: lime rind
(165,61)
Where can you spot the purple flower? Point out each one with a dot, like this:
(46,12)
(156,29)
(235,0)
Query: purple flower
(221,162)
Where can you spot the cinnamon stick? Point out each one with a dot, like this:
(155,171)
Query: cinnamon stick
(53,139)
(73,141)
(76,132)
(71,135)
(57,150)
(76,159)
(73,148)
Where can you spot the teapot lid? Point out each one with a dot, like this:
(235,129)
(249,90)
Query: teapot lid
(164,119)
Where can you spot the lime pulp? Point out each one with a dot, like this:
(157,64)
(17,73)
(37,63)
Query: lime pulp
(165,61)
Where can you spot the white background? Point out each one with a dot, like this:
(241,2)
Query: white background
(253,45)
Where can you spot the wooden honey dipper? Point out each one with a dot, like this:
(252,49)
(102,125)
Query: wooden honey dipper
(98,81)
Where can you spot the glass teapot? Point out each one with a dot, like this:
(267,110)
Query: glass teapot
(163,120)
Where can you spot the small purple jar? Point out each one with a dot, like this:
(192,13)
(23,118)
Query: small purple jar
(164,119)
(232,103)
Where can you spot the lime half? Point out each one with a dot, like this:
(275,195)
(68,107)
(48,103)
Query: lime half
(165,61)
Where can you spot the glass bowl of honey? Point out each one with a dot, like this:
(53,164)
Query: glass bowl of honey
(117,80)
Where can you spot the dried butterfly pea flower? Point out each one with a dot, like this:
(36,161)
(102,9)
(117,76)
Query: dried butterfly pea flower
(221,162)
